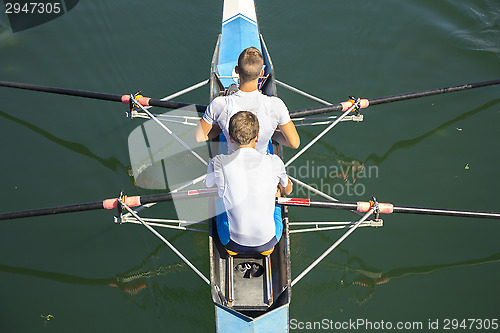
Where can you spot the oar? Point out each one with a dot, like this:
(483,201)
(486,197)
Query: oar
(386,208)
(144,101)
(109,204)
(389,99)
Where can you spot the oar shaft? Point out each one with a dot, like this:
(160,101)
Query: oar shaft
(385,208)
(133,201)
(317,203)
(101,96)
(63,91)
(176,105)
(145,199)
(402,97)
(52,210)
(395,98)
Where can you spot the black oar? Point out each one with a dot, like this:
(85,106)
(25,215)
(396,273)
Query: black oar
(108,204)
(386,208)
(390,99)
(145,101)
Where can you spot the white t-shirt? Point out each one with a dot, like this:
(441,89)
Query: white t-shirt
(270,110)
(247,181)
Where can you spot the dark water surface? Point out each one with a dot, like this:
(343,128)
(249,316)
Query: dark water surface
(443,151)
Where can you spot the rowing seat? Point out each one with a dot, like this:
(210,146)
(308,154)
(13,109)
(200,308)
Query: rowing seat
(250,279)
(265,253)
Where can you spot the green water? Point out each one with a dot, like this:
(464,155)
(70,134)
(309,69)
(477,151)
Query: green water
(440,151)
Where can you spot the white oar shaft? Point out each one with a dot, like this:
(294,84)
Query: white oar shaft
(303,93)
(312,189)
(318,192)
(164,240)
(192,182)
(182,92)
(296,231)
(331,248)
(326,130)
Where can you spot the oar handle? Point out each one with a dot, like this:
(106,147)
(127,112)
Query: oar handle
(343,106)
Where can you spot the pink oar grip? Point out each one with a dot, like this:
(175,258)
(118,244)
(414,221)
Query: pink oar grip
(385,208)
(363,103)
(346,105)
(144,101)
(129,201)
(134,201)
(126,99)
(363,206)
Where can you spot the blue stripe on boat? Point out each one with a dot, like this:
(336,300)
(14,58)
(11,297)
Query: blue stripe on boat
(238,33)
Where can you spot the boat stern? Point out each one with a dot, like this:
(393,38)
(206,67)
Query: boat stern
(227,320)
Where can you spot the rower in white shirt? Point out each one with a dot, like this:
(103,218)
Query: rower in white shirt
(247,182)
(271,112)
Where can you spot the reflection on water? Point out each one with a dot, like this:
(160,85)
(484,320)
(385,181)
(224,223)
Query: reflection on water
(110,163)
(355,281)
(407,144)
(358,281)
(132,282)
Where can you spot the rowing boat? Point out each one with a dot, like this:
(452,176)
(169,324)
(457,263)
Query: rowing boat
(245,303)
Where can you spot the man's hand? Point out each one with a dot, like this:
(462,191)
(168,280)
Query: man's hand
(285,190)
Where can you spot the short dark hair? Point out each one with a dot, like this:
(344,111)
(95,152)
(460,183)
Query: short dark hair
(250,64)
(243,127)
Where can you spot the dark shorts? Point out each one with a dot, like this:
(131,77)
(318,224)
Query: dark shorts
(235,247)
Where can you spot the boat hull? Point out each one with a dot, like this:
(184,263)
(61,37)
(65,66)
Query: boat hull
(250,311)
(228,320)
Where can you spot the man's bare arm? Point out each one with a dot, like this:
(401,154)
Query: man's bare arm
(205,131)
(287,135)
